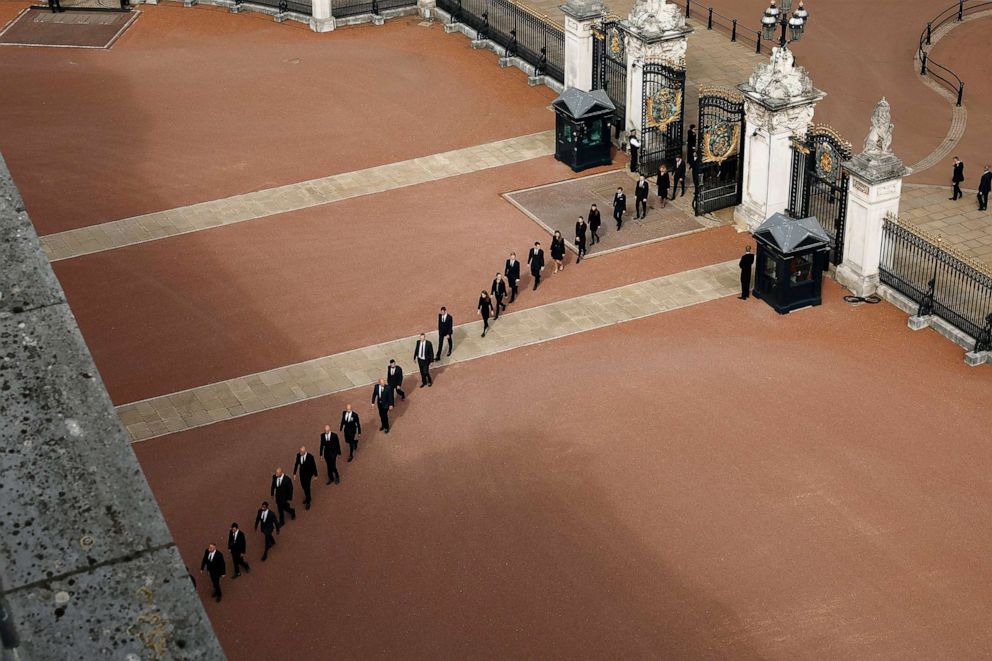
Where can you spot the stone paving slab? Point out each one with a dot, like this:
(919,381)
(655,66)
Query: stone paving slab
(287,385)
(302,195)
(960,223)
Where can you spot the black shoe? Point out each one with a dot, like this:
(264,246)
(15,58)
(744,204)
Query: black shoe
(449,353)
(217,598)
(247,569)
(402,398)
(265,557)
(337,479)
(293,514)
(328,482)
(306,506)
(236,576)
(350,458)
(387,431)
(430,384)
(381,428)
(422,385)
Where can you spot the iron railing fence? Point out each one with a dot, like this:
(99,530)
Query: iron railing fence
(939,279)
(345,8)
(714,20)
(304,7)
(928,67)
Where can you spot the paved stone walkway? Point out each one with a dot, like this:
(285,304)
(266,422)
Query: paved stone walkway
(250,206)
(960,223)
(282,386)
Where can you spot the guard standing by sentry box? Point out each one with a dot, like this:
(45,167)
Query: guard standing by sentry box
(792,255)
(582,128)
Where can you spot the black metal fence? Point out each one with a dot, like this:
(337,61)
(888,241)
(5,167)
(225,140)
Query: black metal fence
(717,21)
(535,39)
(948,285)
(345,8)
(936,70)
(298,6)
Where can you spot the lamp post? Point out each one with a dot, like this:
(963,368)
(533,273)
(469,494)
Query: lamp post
(793,23)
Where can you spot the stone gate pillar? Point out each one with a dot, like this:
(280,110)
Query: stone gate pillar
(875,186)
(321,20)
(580,15)
(656,31)
(779,99)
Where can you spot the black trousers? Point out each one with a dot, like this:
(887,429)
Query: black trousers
(332,468)
(618,216)
(580,248)
(983,201)
(425,371)
(537,278)
(383,416)
(957,190)
(595,235)
(500,305)
(399,391)
(485,323)
(284,506)
(440,345)
(641,206)
(513,291)
(215,581)
(675,185)
(270,541)
(352,446)
(305,483)
(239,561)
(745,284)
(633,158)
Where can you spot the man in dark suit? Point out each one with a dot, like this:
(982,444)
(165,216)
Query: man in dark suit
(213,562)
(957,177)
(330,450)
(594,222)
(747,261)
(690,146)
(984,186)
(619,206)
(535,257)
(423,353)
(266,519)
(678,176)
(382,398)
(641,191)
(445,329)
(394,378)
(237,544)
(512,272)
(282,491)
(307,467)
(498,290)
(352,428)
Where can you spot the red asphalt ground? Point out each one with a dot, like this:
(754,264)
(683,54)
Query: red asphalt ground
(714,482)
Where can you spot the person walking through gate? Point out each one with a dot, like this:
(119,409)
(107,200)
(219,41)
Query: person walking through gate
(445,329)
(635,148)
(594,222)
(213,562)
(282,491)
(307,466)
(330,450)
(394,378)
(747,261)
(237,545)
(690,146)
(382,398)
(664,181)
(511,269)
(423,353)
(352,428)
(498,290)
(984,186)
(619,206)
(266,519)
(679,176)
(641,191)
(957,176)
(535,258)
(558,251)
(580,239)
(485,308)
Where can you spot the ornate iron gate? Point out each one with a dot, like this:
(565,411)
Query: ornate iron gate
(819,184)
(609,62)
(662,111)
(719,174)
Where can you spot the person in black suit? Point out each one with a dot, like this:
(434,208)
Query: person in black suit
(690,146)
(498,290)
(984,186)
(957,177)
(594,222)
(445,329)
(641,191)
(307,466)
(213,562)
(330,450)
(747,261)
(619,206)
(352,428)
(512,272)
(237,545)
(267,520)
(678,176)
(282,491)
(535,257)
(394,378)
(382,399)
(580,239)
(423,353)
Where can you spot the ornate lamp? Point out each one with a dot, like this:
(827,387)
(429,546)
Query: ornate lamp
(793,23)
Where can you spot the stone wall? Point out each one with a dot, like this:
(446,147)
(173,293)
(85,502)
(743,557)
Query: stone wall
(88,567)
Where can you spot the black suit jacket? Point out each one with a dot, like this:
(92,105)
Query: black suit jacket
(641,190)
(594,220)
(535,257)
(958,175)
(512,271)
(747,261)
(217,567)
(680,170)
(619,202)
(985,183)
(270,523)
(350,427)
(445,326)
(395,379)
(307,468)
(330,445)
(236,545)
(498,289)
(580,230)
(284,491)
(690,141)
(428,353)
(382,394)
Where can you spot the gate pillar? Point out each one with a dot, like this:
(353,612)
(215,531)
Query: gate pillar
(656,31)
(321,20)
(579,18)
(779,99)
(876,184)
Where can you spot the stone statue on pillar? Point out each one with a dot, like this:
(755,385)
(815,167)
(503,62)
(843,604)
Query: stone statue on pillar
(654,18)
(879,140)
(876,162)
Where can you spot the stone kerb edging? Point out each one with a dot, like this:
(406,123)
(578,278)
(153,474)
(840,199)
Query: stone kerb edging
(279,17)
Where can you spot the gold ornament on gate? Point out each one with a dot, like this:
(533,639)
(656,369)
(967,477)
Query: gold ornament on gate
(720,142)
(664,107)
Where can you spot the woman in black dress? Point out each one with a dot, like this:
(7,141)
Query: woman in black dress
(594,223)
(664,182)
(580,239)
(485,308)
(558,251)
